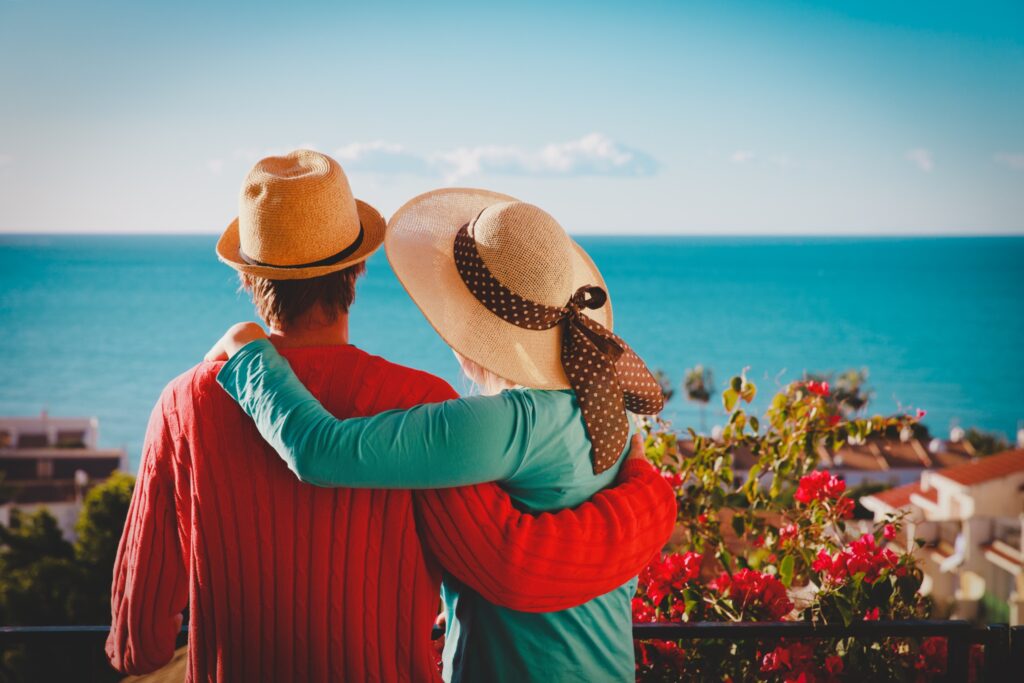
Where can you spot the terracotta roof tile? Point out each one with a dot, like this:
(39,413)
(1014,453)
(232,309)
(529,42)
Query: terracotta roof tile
(986,468)
(898,497)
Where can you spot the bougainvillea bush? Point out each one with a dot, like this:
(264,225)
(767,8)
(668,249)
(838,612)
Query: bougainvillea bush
(779,544)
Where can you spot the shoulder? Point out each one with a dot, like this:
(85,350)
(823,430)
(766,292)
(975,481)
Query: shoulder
(417,386)
(183,395)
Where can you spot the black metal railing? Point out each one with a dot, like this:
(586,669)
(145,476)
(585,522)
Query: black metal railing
(1003,645)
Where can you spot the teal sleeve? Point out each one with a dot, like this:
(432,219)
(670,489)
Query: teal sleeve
(454,443)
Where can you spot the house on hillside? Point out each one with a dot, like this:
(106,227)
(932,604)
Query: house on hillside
(969,517)
(52,462)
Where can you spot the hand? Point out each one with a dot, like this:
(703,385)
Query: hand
(636,449)
(235,338)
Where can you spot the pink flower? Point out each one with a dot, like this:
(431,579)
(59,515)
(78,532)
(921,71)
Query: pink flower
(755,595)
(664,575)
(642,612)
(788,533)
(819,485)
(674,479)
(889,531)
(920,414)
(834,664)
(931,658)
(818,388)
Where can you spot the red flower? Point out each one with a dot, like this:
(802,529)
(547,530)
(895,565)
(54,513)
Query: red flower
(844,508)
(667,574)
(889,531)
(667,653)
(871,614)
(834,420)
(793,660)
(920,414)
(702,518)
(642,612)
(819,485)
(818,388)
(674,479)
(861,556)
(754,594)
(788,533)
(834,664)
(931,658)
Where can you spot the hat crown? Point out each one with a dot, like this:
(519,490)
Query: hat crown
(526,250)
(296,209)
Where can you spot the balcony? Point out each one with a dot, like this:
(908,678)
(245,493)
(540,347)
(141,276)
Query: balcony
(1002,646)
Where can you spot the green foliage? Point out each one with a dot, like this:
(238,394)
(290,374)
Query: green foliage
(986,443)
(44,580)
(699,384)
(785,521)
(849,389)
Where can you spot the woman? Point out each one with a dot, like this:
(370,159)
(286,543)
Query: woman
(526,312)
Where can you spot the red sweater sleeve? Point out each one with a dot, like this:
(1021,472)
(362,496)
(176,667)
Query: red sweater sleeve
(550,561)
(150,586)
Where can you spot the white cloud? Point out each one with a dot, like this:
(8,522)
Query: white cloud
(381,157)
(922,158)
(1014,160)
(593,154)
(741,156)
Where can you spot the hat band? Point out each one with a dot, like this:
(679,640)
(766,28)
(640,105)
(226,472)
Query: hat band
(329,261)
(607,376)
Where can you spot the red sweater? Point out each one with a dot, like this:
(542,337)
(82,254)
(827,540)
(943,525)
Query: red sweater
(290,582)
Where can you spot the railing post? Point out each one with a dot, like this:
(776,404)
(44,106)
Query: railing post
(958,652)
(1015,660)
(997,649)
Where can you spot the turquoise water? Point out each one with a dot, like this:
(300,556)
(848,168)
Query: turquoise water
(97,325)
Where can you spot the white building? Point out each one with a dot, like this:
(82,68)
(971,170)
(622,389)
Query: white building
(970,518)
(51,462)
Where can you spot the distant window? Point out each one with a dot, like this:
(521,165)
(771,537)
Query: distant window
(44,468)
(32,441)
(5,438)
(75,439)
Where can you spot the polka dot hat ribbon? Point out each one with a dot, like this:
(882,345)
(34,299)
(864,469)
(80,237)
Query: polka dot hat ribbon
(607,376)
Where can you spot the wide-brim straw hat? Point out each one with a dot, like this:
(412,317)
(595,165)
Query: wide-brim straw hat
(297,219)
(522,246)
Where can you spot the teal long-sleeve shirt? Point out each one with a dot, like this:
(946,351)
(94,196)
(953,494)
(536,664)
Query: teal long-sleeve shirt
(534,442)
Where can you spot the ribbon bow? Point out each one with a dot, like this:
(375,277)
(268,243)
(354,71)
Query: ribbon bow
(604,372)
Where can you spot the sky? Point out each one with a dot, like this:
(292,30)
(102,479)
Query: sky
(643,117)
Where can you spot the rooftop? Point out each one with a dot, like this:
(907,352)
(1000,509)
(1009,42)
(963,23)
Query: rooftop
(985,469)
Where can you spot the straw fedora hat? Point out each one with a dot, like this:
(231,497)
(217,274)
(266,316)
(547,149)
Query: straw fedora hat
(297,219)
(522,246)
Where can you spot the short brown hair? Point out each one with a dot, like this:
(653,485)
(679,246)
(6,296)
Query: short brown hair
(281,302)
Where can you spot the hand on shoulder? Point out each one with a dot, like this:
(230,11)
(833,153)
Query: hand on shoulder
(237,336)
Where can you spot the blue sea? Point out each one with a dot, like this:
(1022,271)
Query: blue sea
(97,325)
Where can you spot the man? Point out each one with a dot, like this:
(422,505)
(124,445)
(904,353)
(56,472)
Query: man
(290,582)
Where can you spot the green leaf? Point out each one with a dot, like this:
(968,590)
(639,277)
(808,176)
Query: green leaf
(754,424)
(729,398)
(738,524)
(786,570)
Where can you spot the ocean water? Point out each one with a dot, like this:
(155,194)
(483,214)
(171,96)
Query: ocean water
(97,325)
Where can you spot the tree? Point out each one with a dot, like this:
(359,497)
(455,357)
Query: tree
(849,389)
(44,580)
(986,443)
(699,386)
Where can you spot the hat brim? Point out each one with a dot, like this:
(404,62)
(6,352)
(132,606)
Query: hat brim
(374,225)
(420,247)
